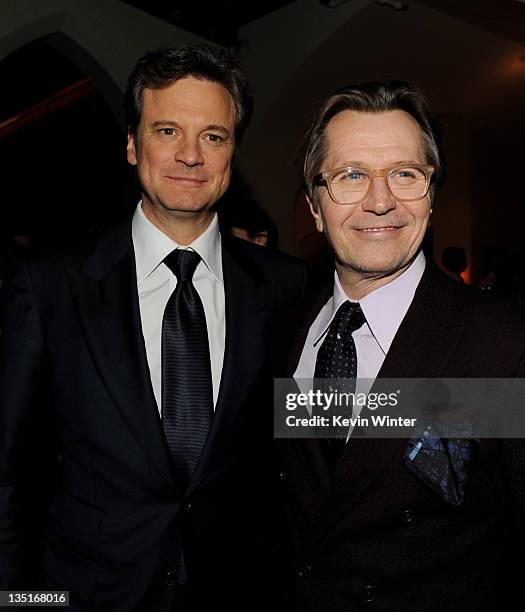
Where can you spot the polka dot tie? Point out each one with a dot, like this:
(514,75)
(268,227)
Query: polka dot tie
(337,360)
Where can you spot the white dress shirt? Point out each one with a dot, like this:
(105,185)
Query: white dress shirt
(384,309)
(156,282)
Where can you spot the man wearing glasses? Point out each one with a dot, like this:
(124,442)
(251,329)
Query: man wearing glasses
(397,524)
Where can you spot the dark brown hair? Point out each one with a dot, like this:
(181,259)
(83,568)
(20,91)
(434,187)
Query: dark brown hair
(161,68)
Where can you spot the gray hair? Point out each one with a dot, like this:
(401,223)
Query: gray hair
(372,97)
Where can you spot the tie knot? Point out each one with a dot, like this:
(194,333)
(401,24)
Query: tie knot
(182,263)
(348,318)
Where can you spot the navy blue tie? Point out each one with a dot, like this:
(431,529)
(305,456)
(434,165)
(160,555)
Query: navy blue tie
(187,396)
(336,360)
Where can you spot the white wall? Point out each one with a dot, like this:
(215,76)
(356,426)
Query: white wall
(281,42)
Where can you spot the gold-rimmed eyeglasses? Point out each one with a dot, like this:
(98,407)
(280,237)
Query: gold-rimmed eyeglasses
(351,184)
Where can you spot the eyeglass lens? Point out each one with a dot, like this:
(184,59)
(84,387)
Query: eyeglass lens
(351,185)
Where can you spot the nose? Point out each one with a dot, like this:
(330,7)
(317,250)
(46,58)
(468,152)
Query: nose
(379,200)
(189,152)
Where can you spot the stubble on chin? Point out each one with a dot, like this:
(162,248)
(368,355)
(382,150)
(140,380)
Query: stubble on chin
(369,269)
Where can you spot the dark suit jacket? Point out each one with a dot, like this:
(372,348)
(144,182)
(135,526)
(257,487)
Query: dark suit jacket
(73,355)
(375,534)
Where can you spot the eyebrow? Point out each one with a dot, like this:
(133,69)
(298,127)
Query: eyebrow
(212,126)
(218,128)
(361,164)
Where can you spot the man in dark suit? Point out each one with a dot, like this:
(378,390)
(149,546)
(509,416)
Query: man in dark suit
(420,522)
(144,356)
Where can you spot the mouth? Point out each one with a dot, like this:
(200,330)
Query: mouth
(385,232)
(186,180)
(378,230)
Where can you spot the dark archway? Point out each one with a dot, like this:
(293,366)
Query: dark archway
(63,148)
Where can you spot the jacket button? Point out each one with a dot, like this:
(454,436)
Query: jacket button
(169,578)
(408,516)
(282,476)
(369,593)
(188,507)
(305,571)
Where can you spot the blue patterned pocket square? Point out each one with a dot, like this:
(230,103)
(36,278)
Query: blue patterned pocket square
(441,461)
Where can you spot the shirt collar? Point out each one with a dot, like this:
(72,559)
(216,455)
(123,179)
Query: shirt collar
(384,308)
(338,298)
(152,245)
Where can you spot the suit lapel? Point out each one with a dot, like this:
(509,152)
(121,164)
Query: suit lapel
(295,330)
(247,296)
(428,334)
(299,323)
(421,348)
(106,299)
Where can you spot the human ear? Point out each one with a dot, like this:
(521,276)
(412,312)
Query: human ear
(316,215)
(131,150)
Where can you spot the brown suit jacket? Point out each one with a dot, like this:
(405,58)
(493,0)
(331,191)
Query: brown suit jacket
(373,534)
